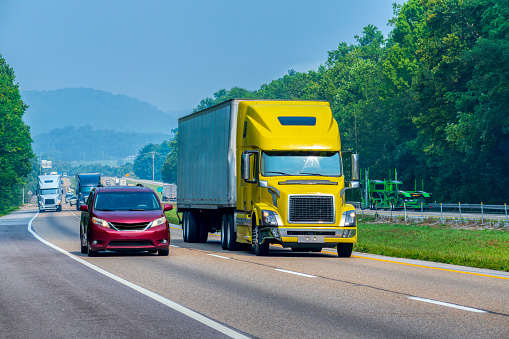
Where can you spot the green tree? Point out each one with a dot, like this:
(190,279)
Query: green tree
(149,155)
(15,141)
(169,169)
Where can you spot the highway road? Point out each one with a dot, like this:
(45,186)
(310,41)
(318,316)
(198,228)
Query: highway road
(50,289)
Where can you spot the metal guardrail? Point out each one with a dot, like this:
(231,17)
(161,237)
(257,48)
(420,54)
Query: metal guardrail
(460,209)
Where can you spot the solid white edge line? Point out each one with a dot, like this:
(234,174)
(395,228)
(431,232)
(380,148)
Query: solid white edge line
(174,246)
(218,256)
(165,301)
(441,303)
(296,273)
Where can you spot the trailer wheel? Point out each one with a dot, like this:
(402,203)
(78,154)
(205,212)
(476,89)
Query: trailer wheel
(345,250)
(203,232)
(192,227)
(231,238)
(185,224)
(224,232)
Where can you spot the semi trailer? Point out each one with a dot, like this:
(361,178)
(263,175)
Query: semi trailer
(265,172)
(84,184)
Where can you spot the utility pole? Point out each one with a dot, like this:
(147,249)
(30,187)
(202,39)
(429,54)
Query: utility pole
(153,169)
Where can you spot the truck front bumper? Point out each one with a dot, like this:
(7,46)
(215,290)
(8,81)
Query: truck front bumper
(310,237)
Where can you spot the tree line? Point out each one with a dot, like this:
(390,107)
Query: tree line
(15,141)
(430,100)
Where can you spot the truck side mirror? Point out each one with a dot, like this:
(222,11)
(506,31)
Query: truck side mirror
(245,168)
(355,167)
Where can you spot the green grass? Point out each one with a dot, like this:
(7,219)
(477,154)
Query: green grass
(474,248)
(172,216)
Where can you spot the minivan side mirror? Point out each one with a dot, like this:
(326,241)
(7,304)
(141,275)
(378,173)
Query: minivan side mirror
(84,208)
(168,207)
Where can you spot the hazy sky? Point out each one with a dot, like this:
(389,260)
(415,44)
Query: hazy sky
(172,54)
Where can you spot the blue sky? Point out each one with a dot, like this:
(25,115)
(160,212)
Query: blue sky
(172,54)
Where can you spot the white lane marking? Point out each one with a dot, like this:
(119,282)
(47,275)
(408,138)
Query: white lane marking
(174,246)
(296,273)
(71,211)
(464,308)
(165,301)
(218,256)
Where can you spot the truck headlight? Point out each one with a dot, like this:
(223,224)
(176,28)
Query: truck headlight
(100,222)
(269,218)
(349,218)
(158,221)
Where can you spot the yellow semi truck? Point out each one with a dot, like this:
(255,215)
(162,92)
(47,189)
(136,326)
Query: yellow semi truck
(266,172)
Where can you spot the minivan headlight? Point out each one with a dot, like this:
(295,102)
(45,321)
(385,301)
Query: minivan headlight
(158,221)
(100,222)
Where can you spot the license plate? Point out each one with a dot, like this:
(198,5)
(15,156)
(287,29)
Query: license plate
(317,239)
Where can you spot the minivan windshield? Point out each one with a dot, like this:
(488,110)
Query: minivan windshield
(126,201)
(298,163)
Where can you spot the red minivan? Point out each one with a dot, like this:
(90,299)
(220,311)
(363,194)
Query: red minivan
(124,219)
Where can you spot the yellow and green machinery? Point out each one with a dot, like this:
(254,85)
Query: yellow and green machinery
(386,194)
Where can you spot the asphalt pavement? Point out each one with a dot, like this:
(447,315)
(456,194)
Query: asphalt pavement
(58,291)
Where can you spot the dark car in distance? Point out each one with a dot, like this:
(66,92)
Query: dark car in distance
(124,219)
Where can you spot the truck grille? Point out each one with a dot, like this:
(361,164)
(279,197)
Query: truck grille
(129,227)
(315,209)
(49,201)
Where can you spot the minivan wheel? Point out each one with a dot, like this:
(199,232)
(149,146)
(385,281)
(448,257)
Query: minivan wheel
(91,253)
(163,253)
(83,244)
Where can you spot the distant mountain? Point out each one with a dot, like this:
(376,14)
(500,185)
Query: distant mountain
(85,143)
(86,106)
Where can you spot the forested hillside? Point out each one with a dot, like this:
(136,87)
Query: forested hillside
(15,141)
(85,143)
(431,99)
(86,106)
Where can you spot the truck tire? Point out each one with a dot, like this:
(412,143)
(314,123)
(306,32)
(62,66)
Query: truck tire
(203,231)
(224,231)
(192,227)
(345,250)
(185,224)
(260,249)
(231,235)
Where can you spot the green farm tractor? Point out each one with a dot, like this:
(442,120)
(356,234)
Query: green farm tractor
(385,194)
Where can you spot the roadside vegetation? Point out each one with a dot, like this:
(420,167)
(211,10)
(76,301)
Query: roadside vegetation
(444,243)
(15,142)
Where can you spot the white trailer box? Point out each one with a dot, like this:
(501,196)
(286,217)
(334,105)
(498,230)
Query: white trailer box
(206,176)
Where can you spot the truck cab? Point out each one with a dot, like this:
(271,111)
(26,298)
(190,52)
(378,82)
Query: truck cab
(292,183)
(49,193)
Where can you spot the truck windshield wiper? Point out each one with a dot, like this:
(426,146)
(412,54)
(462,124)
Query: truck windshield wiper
(282,173)
(318,174)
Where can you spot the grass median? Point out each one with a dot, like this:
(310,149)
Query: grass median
(438,243)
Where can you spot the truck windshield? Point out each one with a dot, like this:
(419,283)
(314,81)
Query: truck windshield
(86,189)
(49,191)
(298,163)
(126,201)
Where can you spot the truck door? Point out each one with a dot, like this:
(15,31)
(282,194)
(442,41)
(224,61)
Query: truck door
(249,186)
